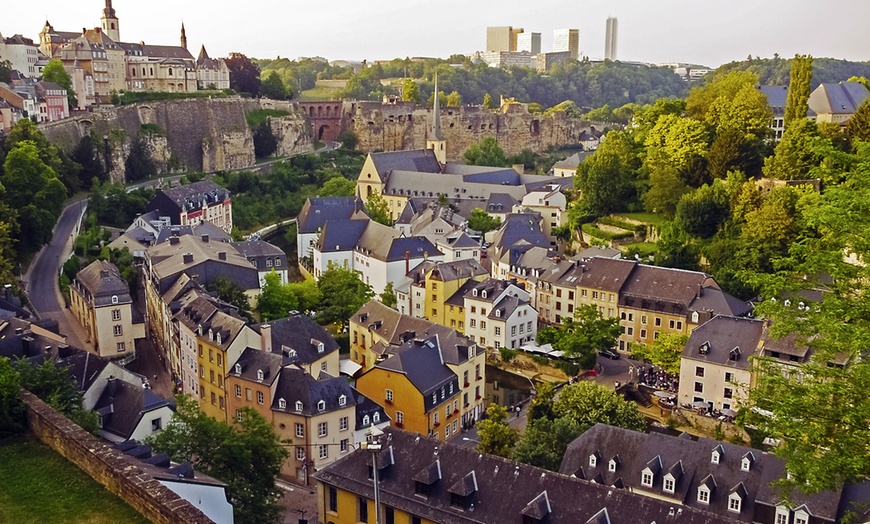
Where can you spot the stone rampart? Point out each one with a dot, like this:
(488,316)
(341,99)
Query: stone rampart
(109,467)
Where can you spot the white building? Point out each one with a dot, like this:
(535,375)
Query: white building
(498,314)
(567,40)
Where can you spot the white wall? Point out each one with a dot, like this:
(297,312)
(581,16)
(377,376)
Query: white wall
(211,500)
(143,429)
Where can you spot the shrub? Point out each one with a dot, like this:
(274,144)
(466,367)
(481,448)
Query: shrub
(569,368)
(507,354)
(604,235)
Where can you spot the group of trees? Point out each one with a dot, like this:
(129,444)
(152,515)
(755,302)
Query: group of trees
(583,336)
(334,297)
(554,422)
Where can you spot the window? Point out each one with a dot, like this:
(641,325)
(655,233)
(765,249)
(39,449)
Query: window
(642,333)
(260,375)
(728,393)
(699,371)
(211,376)
(699,387)
(643,319)
(435,418)
(729,377)
(342,400)
(734,504)
(117,330)
(658,321)
(156,424)
(323,451)
(342,424)
(211,355)
(300,453)
(472,323)
(221,401)
(239,415)
(116,315)
(120,347)
(389,395)
(593,460)
(704,495)
(220,361)
(477,372)
(248,393)
(400,417)
(483,324)
(669,485)
(801,518)
(321,405)
(259,397)
(376,417)
(782,518)
(672,324)
(343,445)
(238,391)
(513,331)
(646,479)
(300,430)
(447,431)
(213,398)
(595,294)
(114,299)
(321,429)
(282,404)
(333,499)
(498,331)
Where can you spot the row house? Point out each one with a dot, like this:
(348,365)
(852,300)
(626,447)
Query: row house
(518,234)
(425,290)
(498,314)
(317,211)
(551,204)
(376,331)
(192,204)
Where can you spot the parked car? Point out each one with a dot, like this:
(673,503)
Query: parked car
(609,353)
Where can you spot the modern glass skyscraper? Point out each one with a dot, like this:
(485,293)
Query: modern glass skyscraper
(610,39)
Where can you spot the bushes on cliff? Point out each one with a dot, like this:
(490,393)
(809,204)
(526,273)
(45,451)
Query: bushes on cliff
(139,164)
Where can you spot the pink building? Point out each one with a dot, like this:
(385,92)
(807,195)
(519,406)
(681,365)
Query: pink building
(53,102)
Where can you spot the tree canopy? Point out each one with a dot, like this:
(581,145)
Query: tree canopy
(495,434)
(487,152)
(244,74)
(583,336)
(482,222)
(54,72)
(343,293)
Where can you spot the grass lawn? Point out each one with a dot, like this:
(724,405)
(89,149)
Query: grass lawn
(38,486)
(323,90)
(651,218)
(644,249)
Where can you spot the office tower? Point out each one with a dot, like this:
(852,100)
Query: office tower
(567,40)
(529,42)
(502,38)
(610,39)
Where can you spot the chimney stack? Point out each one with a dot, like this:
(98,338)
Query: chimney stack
(222,255)
(205,237)
(188,258)
(266,337)
(173,240)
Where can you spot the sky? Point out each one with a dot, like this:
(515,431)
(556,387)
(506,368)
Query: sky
(707,32)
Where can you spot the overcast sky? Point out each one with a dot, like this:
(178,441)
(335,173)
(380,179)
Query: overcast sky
(709,32)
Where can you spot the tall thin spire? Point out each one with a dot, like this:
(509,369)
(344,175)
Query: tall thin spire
(183,36)
(436,115)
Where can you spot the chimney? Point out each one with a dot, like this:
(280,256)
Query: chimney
(205,237)
(174,240)
(407,262)
(222,255)
(188,258)
(266,338)
(104,273)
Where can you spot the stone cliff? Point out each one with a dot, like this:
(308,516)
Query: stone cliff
(185,135)
(393,127)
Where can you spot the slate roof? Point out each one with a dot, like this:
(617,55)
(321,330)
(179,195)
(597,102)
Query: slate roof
(448,271)
(719,337)
(460,241)
(103,281)
(340,235)
(636,450)
(422,160)
(167,261)
(491,287)
(417,247)
(715,300)
(193,195)
(294,385)
(664,287)
(597,251)
(499,203)
(318,210)
(298,333)
(122,405)
(506,307)
(253,360)
(604,274)
(776,97)
(422,363)
(257,248)
(572,161)
(498,490)
(157,51)
(841,98)
(517,227)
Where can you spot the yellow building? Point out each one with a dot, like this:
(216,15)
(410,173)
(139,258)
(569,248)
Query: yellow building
(442,282)
(217,349)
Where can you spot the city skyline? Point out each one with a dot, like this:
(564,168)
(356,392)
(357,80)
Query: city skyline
(666,31)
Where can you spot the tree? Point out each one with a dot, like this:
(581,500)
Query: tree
(487,101)
(701,212)
(495,434)
(54,72)
(606,178)
(379,210)
(794,155)
(454,99)
(55,386)
(276,300)
(348,139)
(388,297)
(798,89)
(307,293)
(5,71)
(588,403)
(482,222)
(487,152)
(244,74)
(343,294)
(230,292)
(858,127)
(12,412)
(410,91)
(338,186)
(25,174)
(265,142)
(247,456)
(273,87)
(85,154)
(665,352)
(139,165)
(585,335)
(724,85)
(544,442)
(666,189)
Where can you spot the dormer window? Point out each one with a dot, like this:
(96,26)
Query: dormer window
(716,455)
(199,329)
(694,317)
(746,462)
(669,484)
(646,478)
(734,354)
(260,375)
(282,404)
(238,369)
(320,347)
(114,299)
(474,292)
(611,465)
(593,460)
(366,420)
(704,348)
(470,353)
(321,405)
(498,312)
(704,494)
(342,400)
(299,405)
(376,417)
(218,337)
(483,294)
(734,502)
(210,334)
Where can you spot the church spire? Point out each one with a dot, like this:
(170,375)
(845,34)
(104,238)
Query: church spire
(435,141)
(183,36)
(110,22)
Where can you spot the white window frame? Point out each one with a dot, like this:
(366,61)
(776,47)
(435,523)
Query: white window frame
(646,478)
(342,424)
(300,430)
(703,495)
(669,484)
(735,503)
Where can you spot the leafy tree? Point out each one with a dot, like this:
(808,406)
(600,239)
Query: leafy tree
(665,352)
(666,189)
(273,87)
(86,155)
(55,386)
(487,101)
(388,296)
(343,294)
(605,184)
(54,72)
(244,74)
(338,186)
(25,174)
(481,221)
(12,412)
(600,114)
(585,335)
(569,107)
(723,86)
(276,300)
(674,142)
(308,293)
(798,89)
(746,112)
(701,212)
(139,164)
(542,403)
(348,139)
(588,403)
(544,442)
(410,91)
(5,71)
(378,209)
(230,292)
(247,456)
(794,155)
(454,99)
(858,127)
(265,142)
(487,152)
(495,434)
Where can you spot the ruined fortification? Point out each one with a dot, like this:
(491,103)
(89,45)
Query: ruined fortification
(402,125)
(185,135)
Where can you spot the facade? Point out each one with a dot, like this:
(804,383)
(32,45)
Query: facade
(442,281)
(220,339)
(776,99)
(610,38)
(265,257)
(423,481)
(498,314)
(302,342)
(129,411)
(53,102)
(22,53)
(551,204)
(191,204)
(732,482)
(567,40)
(529,42)
(502,38)
(547,61)
(101,302)
(316,212)
(715,367)
(508,59)
(568,167)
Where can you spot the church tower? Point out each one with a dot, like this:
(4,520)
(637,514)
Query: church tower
(183,36)
(435,140)
(110,22)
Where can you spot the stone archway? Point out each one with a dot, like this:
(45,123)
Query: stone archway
(324,130)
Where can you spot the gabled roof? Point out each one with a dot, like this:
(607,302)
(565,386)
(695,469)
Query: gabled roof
(340,235)
(103,280)
(776,96)
(121,406)
(294,385)
(499,203)
(448,271)
(422,363)
(299,334)
(517,227)
(156,51)
(720,336)
(254,360)
(838,99)
(318,210)
(421,160)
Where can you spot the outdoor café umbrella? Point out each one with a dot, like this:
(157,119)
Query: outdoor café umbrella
(662,394)
(699,405)
(729,412)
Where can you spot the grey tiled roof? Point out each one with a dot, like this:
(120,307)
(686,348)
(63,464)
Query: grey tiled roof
(103,280)
(842,98)
(720,336)
(122,405)
(776,97)
(254,360)
(318,210)
(447,271)
(499,490)
(499,203)
(340,235)
(422,160)
(422,363)
(298,333)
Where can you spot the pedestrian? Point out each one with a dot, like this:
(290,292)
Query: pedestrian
(518,409)
(155,377)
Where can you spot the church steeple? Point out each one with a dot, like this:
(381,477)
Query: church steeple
(183,36)
(435,141)
(110,22)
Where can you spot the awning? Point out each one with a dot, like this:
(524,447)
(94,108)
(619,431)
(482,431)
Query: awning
(348,367)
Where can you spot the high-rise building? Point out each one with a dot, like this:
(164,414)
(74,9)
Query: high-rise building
(567,40)
(502,38)
(529,42)
(610,39)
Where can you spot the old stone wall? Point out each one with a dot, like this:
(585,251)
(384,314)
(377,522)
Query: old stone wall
(393,127)
(109,467)
(191,134)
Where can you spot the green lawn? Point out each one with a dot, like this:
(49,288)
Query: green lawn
(644,249)
(324,90)
(40,486)
(650,218)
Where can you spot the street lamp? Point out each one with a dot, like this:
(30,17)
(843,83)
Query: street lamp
(373,444)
